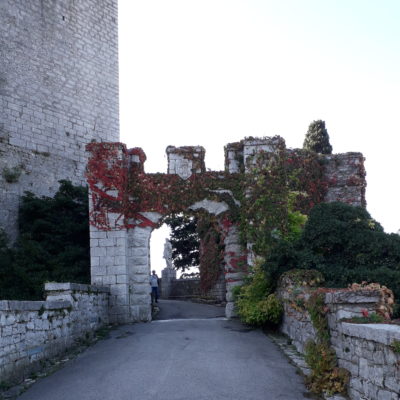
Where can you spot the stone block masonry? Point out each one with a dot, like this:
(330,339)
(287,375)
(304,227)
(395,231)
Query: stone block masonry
(367,351)
(31,331)
(58,91)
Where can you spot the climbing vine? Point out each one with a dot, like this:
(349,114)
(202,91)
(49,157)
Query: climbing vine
(326,377)
(211,251)
(282,187)
(123,188)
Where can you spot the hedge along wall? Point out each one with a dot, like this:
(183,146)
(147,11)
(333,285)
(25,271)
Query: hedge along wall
(32,331)
(365,350)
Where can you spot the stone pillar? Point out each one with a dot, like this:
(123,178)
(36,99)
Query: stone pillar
(108,234)
(345,174)
(108,251)
(168,275)
(235,266)
(138,267)
(234,157)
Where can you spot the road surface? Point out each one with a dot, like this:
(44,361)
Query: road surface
(200,356)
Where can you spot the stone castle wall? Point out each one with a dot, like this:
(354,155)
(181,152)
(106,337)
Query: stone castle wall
(58,91)
(32,331)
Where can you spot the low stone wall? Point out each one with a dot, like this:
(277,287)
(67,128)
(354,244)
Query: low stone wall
(32,331)
(184,288)
(190,288)
(365,350)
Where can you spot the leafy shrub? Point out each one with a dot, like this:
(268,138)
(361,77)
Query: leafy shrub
(53,244)
(325,376)
(256,304)
(345,244)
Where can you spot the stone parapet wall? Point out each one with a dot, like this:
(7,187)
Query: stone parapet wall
(365,350)
(32,331)
(185,161)
(190,288)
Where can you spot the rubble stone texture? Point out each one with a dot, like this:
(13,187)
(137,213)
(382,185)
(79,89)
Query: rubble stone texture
(58,91)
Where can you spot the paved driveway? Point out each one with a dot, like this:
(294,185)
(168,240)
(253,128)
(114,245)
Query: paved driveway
(185,359)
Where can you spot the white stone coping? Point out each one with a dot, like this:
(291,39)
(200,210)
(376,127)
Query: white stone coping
(77,287)
(380,333)
(15,305)
(353,296)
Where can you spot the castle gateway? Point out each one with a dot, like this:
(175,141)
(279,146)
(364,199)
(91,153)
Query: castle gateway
(126,205)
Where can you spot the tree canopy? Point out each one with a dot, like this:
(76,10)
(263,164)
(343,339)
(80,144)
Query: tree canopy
(53,244)
(184,240)
(317,138)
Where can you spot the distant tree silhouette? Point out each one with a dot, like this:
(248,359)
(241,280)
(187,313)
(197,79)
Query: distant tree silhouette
(184,240)
(317,138)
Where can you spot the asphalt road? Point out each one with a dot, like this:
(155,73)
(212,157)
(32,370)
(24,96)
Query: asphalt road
(174,309)
(184,359)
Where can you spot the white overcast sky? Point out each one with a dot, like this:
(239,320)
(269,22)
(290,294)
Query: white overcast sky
(209,72)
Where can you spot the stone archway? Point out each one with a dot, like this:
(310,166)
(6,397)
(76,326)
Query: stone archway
(120,237)
(126,204)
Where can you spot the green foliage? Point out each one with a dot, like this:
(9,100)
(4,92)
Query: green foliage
(317,310)
(211,251)
(11,175)
(396,346)
(255,304)
(7,272)
(53,244)
(325,376)
(373,318)
(317,138)
(268,214)
(185,241)
(345,244)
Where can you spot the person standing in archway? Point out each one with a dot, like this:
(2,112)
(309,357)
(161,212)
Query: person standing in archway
(154,286)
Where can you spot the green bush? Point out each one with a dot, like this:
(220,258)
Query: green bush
(255,303)
(53,244)
(345,244)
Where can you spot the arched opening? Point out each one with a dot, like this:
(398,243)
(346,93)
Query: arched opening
(127,204)
(192,249)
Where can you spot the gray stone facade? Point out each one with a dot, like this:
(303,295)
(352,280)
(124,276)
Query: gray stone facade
(58,91)
(32,331)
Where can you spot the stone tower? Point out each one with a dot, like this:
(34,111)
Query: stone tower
(58,91)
